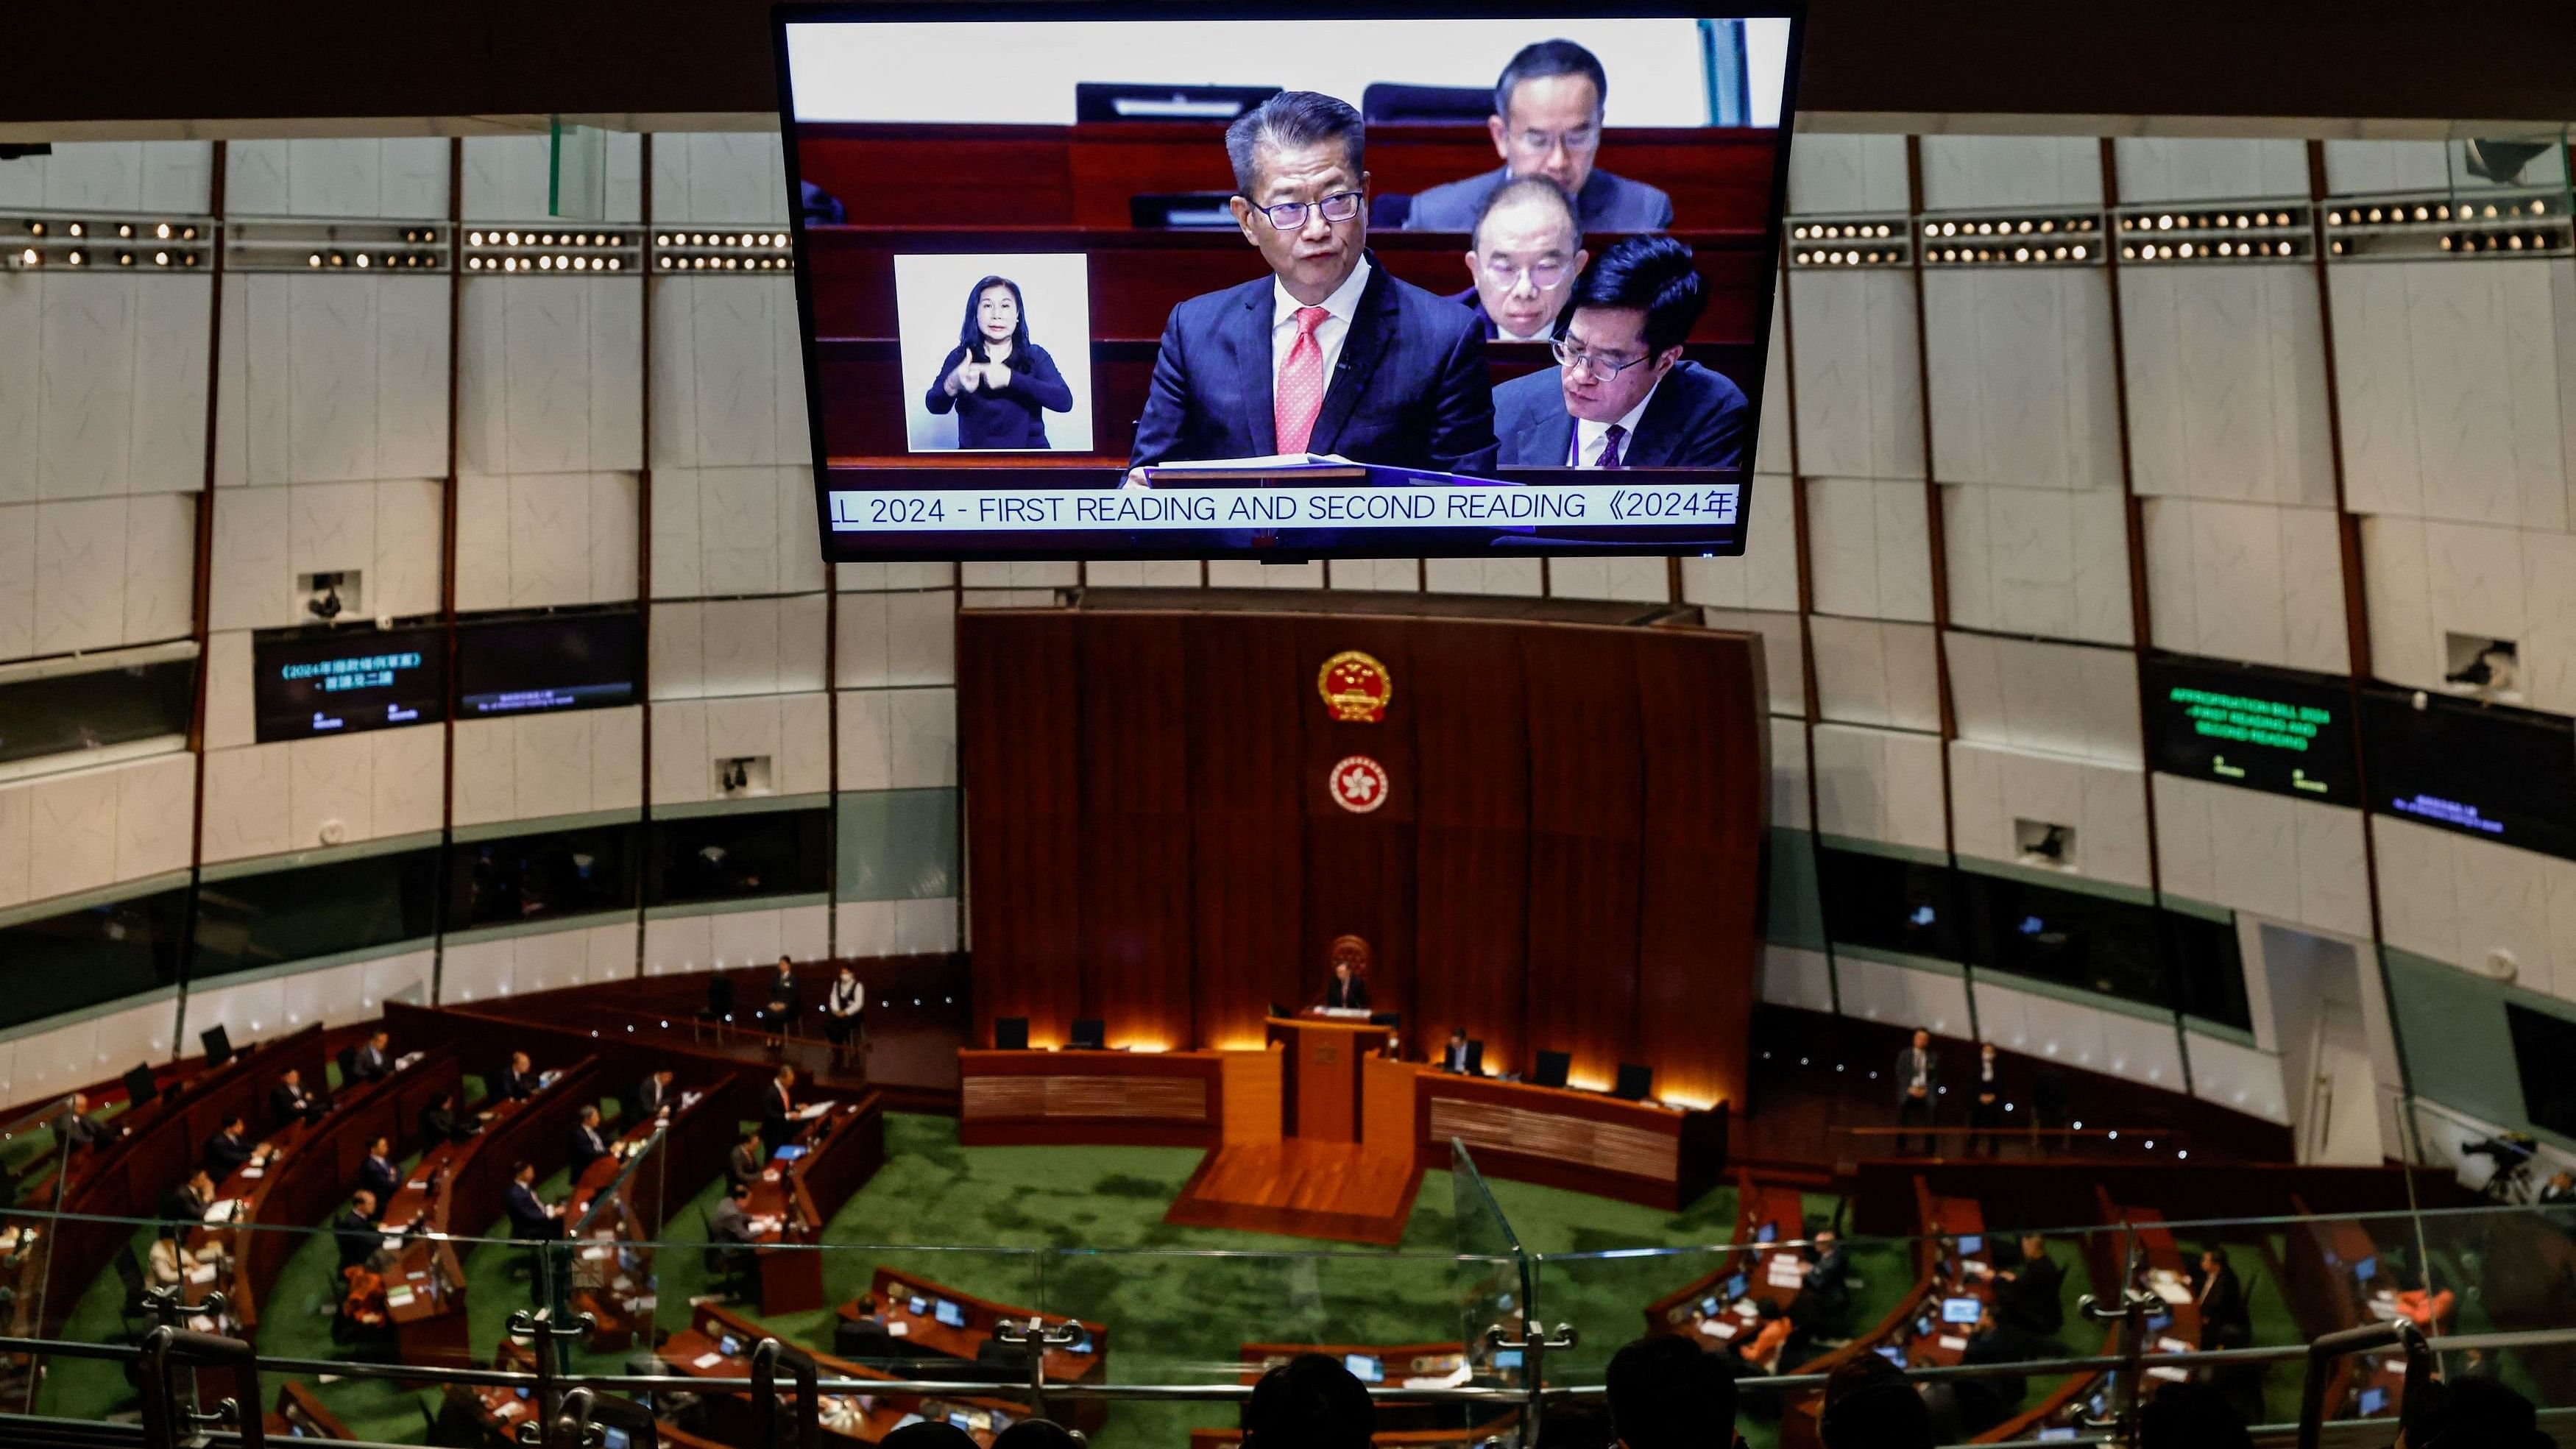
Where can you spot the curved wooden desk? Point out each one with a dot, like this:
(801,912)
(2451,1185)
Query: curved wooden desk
(843,1146)
(718,1344)
(612,1283)
(895,1292)
(1110,1098)
(1702,1308)
(1641,1152)
(456,1190)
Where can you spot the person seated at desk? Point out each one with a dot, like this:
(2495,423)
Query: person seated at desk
(516,1082)
(653,1095)
(746,1160)
(75,1129)
(785,999)
(1622,396)
(230,1149)
(778,1110)
(2560,1188)
(531,1219)
(1822,1309)
(378,1174)
(732,1222)
(1347,991)
(1762,1351)
(187,1203)
(291,1100)
(166,1263)
(1454,1057)
(438,1121)
(355,1230)
(1329,353)
(587,1144)
(1984,1403)
(373,1061)
(1524,251)
(2030,1296)
(1548,107)
(1000,384)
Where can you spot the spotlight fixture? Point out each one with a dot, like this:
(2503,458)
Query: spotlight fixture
(2055,240)
(2442,228)
(1850,242)
(50,240)
(724,251)
(512,253)
(2273,233)
(281,244)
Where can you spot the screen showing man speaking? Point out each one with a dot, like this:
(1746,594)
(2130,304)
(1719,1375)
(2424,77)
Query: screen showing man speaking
(1082,285)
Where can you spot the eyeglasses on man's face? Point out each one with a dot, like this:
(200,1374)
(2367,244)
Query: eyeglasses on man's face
(1291,215)
(1578,141)
(1593,365)
(1546,274)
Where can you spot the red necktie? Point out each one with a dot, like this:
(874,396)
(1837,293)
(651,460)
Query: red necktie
(1299,395)
(1610,445)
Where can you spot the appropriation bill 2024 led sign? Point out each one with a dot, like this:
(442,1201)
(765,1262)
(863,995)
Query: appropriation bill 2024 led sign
(2262,729)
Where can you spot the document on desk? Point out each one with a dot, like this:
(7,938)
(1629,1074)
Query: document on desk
(707,1360)
(813,1110)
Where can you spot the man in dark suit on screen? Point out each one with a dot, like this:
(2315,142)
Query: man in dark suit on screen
(1548,106)
(1327,354)
(1621,395)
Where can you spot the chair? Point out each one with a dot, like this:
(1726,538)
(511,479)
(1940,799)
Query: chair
(730,1267)
(129,1276)
(1395,103)
(1390,210)
(1475,1057)
(719,1008)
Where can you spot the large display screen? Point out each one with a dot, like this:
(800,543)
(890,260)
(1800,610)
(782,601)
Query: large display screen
(548,663)
(1084,280)
(2542,1046)
(342,681)
(2244,724)
(2506,775)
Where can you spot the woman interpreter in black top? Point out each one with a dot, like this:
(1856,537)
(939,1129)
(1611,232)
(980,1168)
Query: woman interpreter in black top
(996,378)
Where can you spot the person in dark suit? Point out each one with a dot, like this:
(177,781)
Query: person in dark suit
(291,1100)
(1346,991)
(230,1149)
(531,1220)
(75,1129)
(731,1220)
(746,1160)
(1984,1403)
(1327,354)
(1523,257)
(1918,1086)
(586,1143)
(1822,1308)
(373,1060)
(786,998)
(2224,1319)
(2031,1296)
(1548,106)
(438,1122)
(1453,1057)
(518,1081)
(355,1230)
(378,1174)
(653,1095)
(1986,1102)
(778,1110)
(187,1203)
(1621,395)
(1000,384)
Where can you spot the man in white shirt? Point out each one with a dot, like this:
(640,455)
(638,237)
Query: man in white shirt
(1621,395)
(1523,256)
(1327,354)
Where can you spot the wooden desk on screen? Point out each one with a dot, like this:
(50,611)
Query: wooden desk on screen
(1111,1098)
(1764,1213)
(843,1147)
(1639,1152)
(1324,1071)
(613,1278)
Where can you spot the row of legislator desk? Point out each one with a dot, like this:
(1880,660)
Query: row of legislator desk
(455,1190)
(619,1203)
(1085,174)
(837,1147)
(308,1171)
(718,1344)
(1325,1081)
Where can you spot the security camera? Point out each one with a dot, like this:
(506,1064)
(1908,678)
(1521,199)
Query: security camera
(325,603)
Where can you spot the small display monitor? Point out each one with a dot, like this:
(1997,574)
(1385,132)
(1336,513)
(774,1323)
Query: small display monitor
(1507,1358)
(614,1438)
(1552,1067)
(549,663)
(962,1421)
(2366,1269)
(522,1391)
(729,1345)
(218,1043)
(2374,1402)
(1635,1082)
(1365,1367)
(1090,1034)
(1971,1245)
(140,1088)
(788,1153)
(1891,1353)
(916,1306)
(1960,1310)
(1709,1306)
(1738,1286)
(1767,1233)
(1010,1033)
(308,682)
(948,1313)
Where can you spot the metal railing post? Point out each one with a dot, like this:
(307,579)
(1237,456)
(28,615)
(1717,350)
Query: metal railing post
(766,1356)
(1037,1338)
(2130,1313)
(1533,1349)
(2324,1351)
(538,1327)
(165,1424)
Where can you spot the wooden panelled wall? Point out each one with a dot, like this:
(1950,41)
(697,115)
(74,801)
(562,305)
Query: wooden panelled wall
(1569,857)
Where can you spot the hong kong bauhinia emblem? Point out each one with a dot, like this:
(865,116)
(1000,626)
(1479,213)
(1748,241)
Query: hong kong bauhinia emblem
(1359,784)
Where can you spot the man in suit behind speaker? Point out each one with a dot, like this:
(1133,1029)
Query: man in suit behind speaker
(1621,395)
(1348,990)
(1327,354)
(1548,107)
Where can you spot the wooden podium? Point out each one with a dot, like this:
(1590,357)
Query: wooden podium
(1320,1100)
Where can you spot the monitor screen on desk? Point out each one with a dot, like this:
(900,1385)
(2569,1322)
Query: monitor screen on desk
(2373,1402)
(948,1313)
(1365,1367)
(1960,1310)
(1029,243)
(1767,1233)
(1737,1287)
(789,1153)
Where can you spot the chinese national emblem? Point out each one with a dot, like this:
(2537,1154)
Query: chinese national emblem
(1355,687)
(1359,784)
